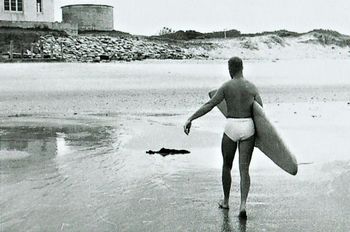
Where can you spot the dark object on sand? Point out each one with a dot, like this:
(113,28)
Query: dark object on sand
(166,152)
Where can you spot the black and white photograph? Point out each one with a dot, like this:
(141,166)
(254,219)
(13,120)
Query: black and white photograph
(174,115)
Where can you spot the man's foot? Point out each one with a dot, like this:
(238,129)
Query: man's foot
(223,205)
(242,214)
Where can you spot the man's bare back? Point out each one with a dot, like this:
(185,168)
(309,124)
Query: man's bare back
(240,95)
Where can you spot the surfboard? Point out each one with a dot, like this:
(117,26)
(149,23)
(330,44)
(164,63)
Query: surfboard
(267,138)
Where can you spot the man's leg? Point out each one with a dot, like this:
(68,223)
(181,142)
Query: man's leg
(228,148)
(246,148)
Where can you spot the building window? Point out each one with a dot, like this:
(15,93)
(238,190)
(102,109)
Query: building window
(19,5)
(13,5)
(39,6)
(7,5)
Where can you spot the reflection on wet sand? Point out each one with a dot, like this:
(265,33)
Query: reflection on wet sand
(47,142)
(242,225)
(227,224)
(28,152)
(39,143)
(50,182)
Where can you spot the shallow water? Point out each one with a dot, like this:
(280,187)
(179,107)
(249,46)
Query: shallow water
(73,139)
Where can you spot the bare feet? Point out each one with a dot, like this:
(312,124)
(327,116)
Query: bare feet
(223,205)
(242,211)
(242,214)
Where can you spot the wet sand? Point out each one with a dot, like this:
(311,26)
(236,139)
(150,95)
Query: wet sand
(72,153)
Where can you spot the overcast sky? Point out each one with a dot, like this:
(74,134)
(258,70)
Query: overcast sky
(147,17)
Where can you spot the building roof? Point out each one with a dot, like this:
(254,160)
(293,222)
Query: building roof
(87,5)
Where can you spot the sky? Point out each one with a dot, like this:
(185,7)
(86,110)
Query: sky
(147,17)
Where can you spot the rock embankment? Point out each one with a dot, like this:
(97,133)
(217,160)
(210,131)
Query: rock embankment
(105,48)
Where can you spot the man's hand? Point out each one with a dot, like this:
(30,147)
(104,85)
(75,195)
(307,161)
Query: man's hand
(187,127)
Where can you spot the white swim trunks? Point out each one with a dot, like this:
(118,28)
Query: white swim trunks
(238,129)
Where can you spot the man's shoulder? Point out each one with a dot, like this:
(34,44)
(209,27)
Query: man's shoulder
(234,84)
(226,85)
(251,86)
(248,82)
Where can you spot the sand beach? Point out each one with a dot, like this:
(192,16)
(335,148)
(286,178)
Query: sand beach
(73,142)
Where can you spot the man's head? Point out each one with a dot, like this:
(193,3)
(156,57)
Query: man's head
(235,66)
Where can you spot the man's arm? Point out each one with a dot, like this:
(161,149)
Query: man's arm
(217,98)
(208,106)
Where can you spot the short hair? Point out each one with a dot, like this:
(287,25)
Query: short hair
(235,65)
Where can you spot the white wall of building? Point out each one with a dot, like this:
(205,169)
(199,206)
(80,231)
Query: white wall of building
(29,12)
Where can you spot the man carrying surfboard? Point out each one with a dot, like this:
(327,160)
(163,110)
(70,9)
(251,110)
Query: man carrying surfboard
(239,95)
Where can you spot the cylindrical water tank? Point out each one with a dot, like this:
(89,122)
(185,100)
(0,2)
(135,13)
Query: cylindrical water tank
(89,16)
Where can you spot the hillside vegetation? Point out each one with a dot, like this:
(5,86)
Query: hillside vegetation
(106,46)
